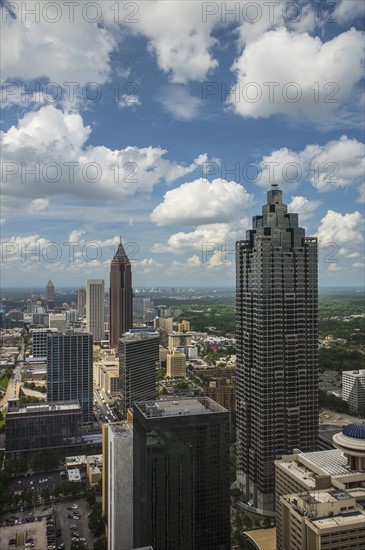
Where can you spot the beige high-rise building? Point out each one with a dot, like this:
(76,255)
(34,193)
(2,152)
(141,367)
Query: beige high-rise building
(184,326)
(95,294)
(179,339)
(176,364)
(164,325)
(320,496)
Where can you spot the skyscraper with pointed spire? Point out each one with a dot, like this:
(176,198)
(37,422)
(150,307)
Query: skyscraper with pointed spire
(277,346)
(50,295)
(120,296)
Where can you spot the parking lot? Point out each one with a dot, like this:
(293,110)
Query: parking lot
(35,482)
(79,526)
(25,529)
(47,527)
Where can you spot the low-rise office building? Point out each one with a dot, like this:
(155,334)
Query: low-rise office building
(42,426)
(302,481)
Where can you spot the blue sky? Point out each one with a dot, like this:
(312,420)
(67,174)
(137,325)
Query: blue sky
(166,123)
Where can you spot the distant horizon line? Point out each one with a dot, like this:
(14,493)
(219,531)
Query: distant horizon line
(164,287)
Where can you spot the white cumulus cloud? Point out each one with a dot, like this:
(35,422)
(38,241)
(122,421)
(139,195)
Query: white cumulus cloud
(47,154)
(303,206)
(337,164)
(340,228)
(205,239)
(313,81)
(201,202)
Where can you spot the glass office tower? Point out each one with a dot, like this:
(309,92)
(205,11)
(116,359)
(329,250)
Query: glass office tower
(181,475)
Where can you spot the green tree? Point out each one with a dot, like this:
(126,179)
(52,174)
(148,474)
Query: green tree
(266,523)
(78,545)
(44,460)
(247,522)
(46,494)
(237,522)
(101,544)
(96,520)
(90,496)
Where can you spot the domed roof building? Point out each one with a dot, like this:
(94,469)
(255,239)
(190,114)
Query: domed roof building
(351,441)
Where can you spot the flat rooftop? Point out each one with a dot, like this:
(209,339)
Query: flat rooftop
(179,407)
(144,335)
(121,429)
(46,408)
(300,472)
(357,517)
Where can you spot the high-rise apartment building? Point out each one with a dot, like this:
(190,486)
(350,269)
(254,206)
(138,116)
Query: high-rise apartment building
(181,475)
(120,297)
(50,295)
(39,342)
(184,326)
(138,364)
(95,308)
(353,390)
(277,341)
(70,369)
(164,325)
(179,339)
(81,301)
(176,364)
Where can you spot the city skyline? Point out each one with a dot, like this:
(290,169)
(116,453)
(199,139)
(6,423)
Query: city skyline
(205,133)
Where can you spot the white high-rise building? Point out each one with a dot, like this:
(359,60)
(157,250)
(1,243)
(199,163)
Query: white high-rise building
(117,497)
(353,389)
(95,308)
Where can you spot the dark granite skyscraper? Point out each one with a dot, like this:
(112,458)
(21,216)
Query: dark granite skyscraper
(277,346)
(120,296)
(181,475)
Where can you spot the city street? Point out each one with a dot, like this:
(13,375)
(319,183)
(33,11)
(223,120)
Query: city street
(14,383)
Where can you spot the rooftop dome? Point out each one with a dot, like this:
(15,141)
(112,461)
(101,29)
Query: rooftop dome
(357,431)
